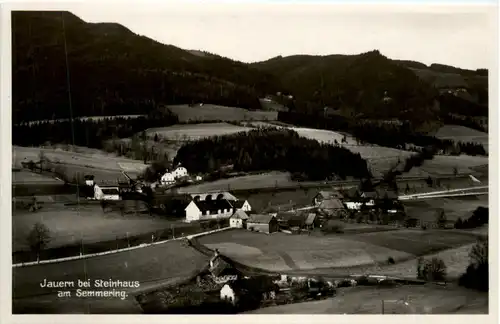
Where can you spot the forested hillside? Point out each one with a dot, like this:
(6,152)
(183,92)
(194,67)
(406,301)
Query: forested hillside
(112,71)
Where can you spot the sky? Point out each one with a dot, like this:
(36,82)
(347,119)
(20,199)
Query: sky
(462,36)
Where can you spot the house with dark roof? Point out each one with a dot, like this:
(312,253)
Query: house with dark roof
(291,219)
(262,223)
(322,195)
(208,209)
(332,207)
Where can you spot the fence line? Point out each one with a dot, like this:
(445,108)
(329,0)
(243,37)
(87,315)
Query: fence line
(143,245)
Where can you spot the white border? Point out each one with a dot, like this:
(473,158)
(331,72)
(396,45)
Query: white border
(284,8)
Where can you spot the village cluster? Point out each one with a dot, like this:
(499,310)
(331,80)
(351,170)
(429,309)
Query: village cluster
(197,207)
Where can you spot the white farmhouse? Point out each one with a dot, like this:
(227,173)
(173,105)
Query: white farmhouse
(238,219)
(167,178)
(171,177)
(227,293)
(180,172)
(211,209)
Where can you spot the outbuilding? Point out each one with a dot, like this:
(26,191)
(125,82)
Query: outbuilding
(262,223)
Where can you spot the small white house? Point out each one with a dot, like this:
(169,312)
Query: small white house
(228,294)
(167,178)
(180,172)
(238,219)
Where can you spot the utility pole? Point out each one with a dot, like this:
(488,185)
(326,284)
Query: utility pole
(383,308)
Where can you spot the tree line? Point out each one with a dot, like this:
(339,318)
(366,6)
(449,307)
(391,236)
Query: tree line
(271,149)
(89,133)
(379,133)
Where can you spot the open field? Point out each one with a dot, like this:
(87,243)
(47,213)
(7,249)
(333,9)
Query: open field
(283,252)
(155,265)
(214,112)
(381,159)
(264,180)
(456,260)
(25,176)
(195,131)
(427,299)
(462,134)
(87,158)
(69,224)
(454,208)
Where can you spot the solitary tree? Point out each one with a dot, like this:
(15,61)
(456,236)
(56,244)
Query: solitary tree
(38,238)
(441,218)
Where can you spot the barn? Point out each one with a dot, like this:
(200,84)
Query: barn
(262,223)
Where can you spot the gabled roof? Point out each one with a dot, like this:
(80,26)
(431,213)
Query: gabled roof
(226,195)
(260,219)
(332,203)
(310,219)
(212,205)
(237,203)
(240,214)
(219,265)
(329,194)
(370,194)
(353,193)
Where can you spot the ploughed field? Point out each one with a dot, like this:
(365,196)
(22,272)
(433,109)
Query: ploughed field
(344,253)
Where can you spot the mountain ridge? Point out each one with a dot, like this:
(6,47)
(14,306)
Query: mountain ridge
(113,71)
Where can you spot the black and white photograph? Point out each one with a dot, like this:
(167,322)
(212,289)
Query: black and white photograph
(254,158)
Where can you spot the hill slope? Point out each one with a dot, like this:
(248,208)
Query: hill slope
(114,71)
(373,85)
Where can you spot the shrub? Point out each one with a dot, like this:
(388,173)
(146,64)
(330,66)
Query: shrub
(432,270)
(390,260)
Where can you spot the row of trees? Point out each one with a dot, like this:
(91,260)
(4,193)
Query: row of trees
(89,133)
(384,134)
(478,218)
(271,149)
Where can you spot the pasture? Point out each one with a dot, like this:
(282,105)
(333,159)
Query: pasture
(209,112)
(264,180)
(107,168)
(453,207)
(341,252)
(27,177)
(152,266)
(70,224)
(192,132)
(81,157)
(456,260)
(462,134)
(426,299)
